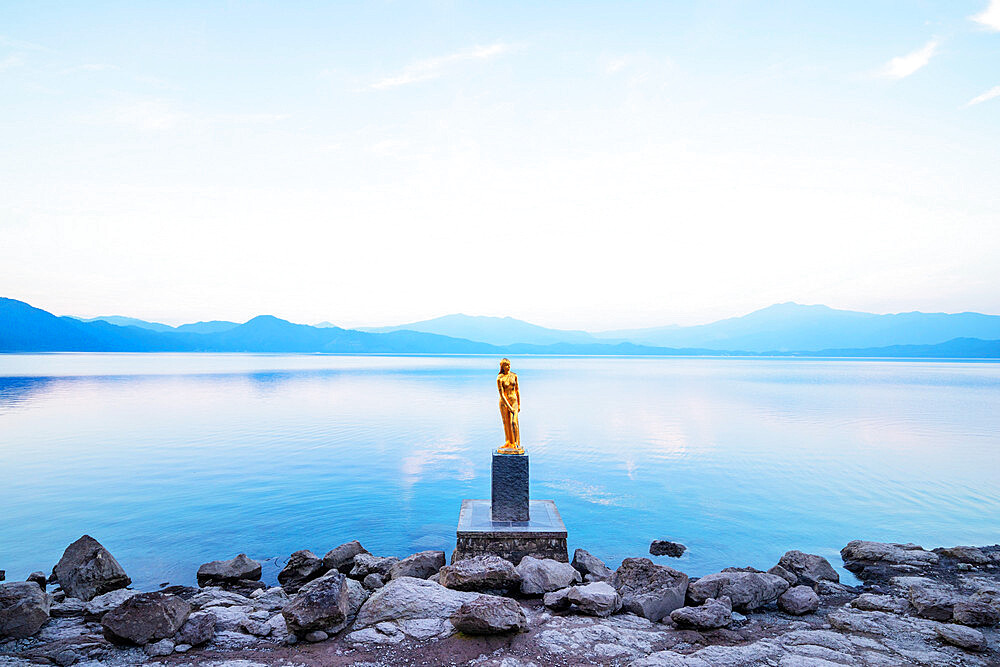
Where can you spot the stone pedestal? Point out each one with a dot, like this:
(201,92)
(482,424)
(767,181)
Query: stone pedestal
(510,487)
(543,535)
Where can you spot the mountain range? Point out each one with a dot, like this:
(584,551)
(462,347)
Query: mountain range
(782,329)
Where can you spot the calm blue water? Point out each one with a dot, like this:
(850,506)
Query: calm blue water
(172,460)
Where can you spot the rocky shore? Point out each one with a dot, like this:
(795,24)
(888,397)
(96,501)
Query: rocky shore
(350,607)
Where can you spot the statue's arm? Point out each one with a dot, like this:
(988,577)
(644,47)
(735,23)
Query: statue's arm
(502,397)
(517,390)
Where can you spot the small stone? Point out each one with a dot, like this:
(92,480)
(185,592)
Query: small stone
(715,613)
(229,571)
(365,564)
(489,615)
(420,565)
(962,637)
(303,566)
(182,648)
(666,548)
(342,558)
(595,599)
(316,636)
(798,601)
(38,578)
(808,568)
(373,581)
(591,567)
(161,648)
(67,608)
(543,575)
(66,657)
(971,612)
(557,600)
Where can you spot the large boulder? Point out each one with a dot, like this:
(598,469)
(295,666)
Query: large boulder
(240,568)
(342,558)
(543,575)
(489,615)
(419,565)
(932,602)
(480,573)
(590,567)
(649,590)
(145,618)
(416,607)
(365,564)
(798,600)
(867,559)
(87,570)
(709,616)
(320,604)
(302,567)
(102,604)
(746,590)
(197,629)
(809,569)
(595,599)
(24,609)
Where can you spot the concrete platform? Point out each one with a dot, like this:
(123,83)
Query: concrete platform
(543,535)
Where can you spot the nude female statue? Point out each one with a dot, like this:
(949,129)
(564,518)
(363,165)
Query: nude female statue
(510,406)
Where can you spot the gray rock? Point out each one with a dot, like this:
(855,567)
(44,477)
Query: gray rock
(303,566)
(784,574)
(357,595)
(489,615)
(321,603)
(808,568)
(420,565)
(962,637)
(715,613)
(365,564)
(934,603)
(68,608)
(198,629)
(38,578)
(480,573)
(666,548)
(240,568)
(342,558)
(973,612)
(543,575)
(87,569)
(595,599)
(24,609)
(182,648)
(145,618)
(374,581)
(798,600)
(558,600)
(161,648)
(213,596)
(592,566)
(886,603)
(257,628)
(970,555)
(407,606)
(271,599)
(649,590)
(746,590)
(102,604)
(824,587)
(279,630)
(316,636)
(66,657)
(859,555)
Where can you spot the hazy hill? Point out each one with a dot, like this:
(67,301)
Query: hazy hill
(492,330)
(121,321)
(214,326)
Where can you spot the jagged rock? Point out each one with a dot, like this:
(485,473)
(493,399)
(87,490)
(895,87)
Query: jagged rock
(161,648)
(962,637)
(365,564)
(590,566)
(24,609)
(970,555)
(357,595)
(824,587)
(66,657)
(715,613)
(198,629)
(666,548)
(229,619)
(279,630)
(420,565)
(87,569)
(244,587)
(374,581)
(865,558)
(213,596)
(595,599)
(480,573)
(808,568)
(102,604)
(316,636)
(747,590)
(557,600)
(407,606)
(145,618)
(886,603)
(798,600)
(972,612)
(933,603)
(68,608)
(342,558)
(784,574)
(38,578)
(321,603)
(543,575)
(271,599)
(240,568)
(649,590)
(303,566)
(489,615)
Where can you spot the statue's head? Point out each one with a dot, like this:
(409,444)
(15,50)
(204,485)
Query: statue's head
(505,365)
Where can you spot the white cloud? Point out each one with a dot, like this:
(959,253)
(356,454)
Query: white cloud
(988,95)
(990,17)
(89,67)
(903,66)
(10,62)
(432,68)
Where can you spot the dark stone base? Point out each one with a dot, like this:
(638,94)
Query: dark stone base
(542,536)
(510,487)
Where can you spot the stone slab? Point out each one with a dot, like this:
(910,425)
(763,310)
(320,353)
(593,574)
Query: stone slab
(510,487)
(543,535)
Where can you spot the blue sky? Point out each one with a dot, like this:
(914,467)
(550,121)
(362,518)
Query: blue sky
(591,165)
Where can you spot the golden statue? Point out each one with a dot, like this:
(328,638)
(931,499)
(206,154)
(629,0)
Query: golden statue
(510,406)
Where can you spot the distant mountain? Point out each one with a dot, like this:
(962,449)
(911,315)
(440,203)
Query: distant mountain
(120,321)
(957,348)
(215,326)
(492,330)
(790,327)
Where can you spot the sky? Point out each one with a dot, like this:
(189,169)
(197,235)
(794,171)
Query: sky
(577,165)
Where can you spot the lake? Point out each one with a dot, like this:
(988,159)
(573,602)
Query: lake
(172,460)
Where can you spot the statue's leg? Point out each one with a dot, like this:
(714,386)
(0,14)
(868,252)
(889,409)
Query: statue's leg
(506,418)
(515,431)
